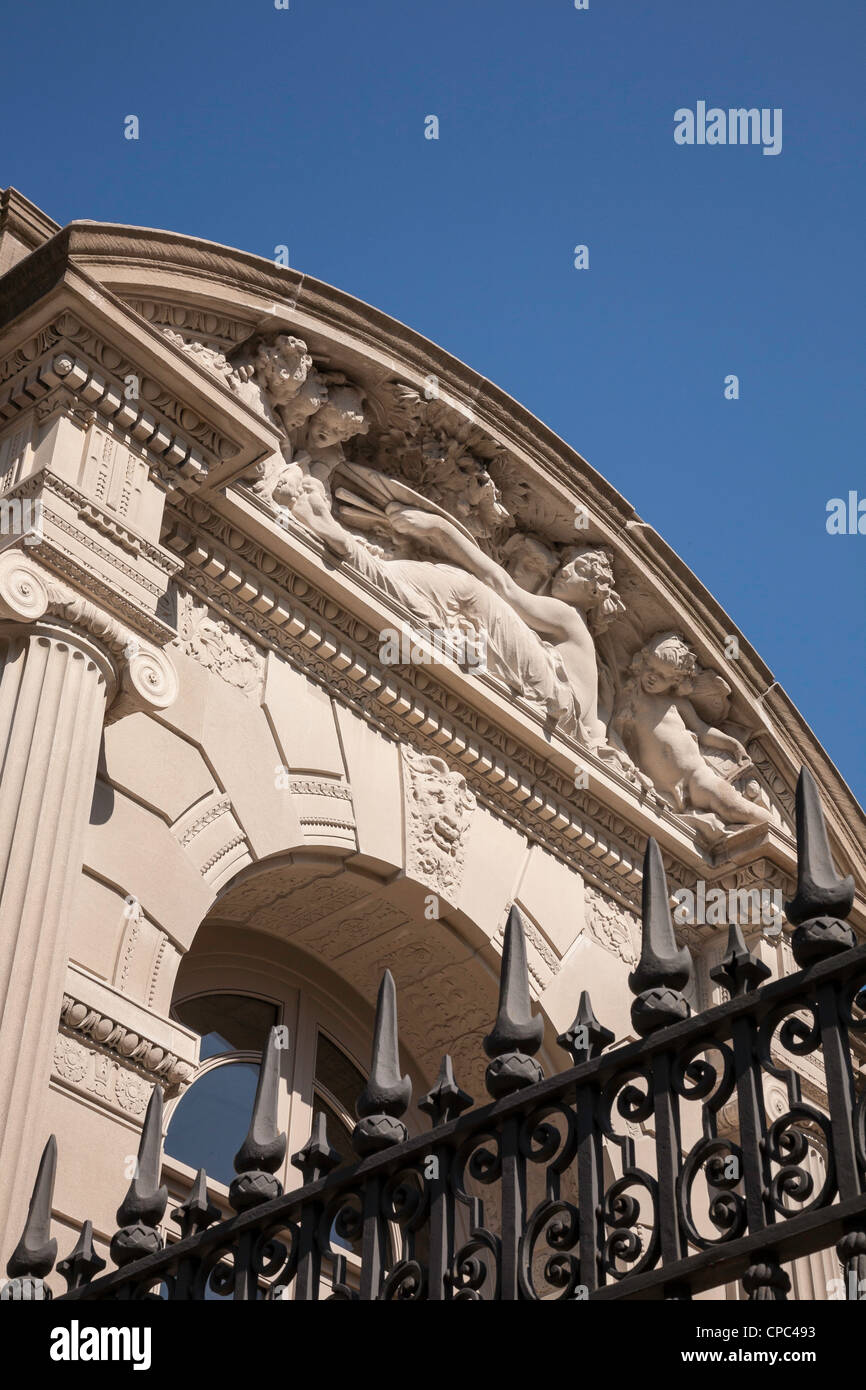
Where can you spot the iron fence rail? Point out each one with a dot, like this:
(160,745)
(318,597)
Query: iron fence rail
(729,1191)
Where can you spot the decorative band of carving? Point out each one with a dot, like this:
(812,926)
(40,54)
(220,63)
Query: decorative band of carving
(231,844)
(320,786)
(101,520)
(219,808)
(326,823)
(126,1045)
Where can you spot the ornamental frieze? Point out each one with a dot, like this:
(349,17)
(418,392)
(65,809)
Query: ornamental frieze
(85,1028)
(218,646)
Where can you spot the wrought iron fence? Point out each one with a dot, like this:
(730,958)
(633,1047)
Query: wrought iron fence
(728,1193)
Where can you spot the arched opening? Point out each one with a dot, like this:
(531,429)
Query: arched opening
(303,945)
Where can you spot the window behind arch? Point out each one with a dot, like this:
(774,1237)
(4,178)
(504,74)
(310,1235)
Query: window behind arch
(336,1087)
(210,1121)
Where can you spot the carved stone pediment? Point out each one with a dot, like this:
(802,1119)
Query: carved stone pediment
(431,509)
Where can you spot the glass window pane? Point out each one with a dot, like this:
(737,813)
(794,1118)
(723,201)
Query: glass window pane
(228,1022)
(210,1122)
(337,1074)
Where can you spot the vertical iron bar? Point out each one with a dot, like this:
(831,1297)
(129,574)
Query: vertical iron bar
(309,1257)
(666,1110)
(752,1120)
(589,1186)
(245,1282)
(513,1209)
(840,1090)
(441,1228)
(371,1241)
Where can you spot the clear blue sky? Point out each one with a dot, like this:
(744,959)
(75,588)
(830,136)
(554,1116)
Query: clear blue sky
(305,127)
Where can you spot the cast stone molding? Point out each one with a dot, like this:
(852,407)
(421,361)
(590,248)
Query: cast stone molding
(611,926)
(127,1047)
(218,646)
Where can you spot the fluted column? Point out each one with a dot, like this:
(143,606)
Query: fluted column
(53,689)
(56,681)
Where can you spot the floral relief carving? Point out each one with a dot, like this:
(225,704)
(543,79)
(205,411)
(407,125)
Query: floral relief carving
(131,1091)
(612,926)
(70,1059)
(218,646)
(101,1076)
(439,806)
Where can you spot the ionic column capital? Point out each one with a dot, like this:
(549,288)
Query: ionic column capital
(138,674)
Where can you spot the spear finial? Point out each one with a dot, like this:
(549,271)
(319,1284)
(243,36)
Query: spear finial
(823,897)
(34,1255)
(263,1150)
(387,1094)
(317,1158)
(198,1211)
(445,1100)
(143,1207)
(664,968)
(739,970)
(82,1264)
(586,1038)
(517,1033)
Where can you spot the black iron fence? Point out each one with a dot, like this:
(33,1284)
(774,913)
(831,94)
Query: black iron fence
(653,1170)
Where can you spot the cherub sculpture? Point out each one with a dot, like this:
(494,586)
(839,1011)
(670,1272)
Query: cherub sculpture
(666,735)
(340,416)
(315,411)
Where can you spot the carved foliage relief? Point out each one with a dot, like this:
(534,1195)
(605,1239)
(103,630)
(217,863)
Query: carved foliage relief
(612,926)
(218,645)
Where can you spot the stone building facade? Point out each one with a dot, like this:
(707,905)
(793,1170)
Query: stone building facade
(319,652)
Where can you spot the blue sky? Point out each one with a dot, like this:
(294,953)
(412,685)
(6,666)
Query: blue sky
(305,127)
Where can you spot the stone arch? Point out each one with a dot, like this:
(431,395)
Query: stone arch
(332,919)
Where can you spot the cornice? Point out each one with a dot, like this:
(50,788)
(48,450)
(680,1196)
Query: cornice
(76,349)
(69,383)
(24,220)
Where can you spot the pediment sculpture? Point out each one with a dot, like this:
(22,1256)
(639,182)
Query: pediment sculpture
(452,552)
(668,717)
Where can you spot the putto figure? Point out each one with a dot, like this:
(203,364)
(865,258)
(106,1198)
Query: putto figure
(316,411)
(667,737)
